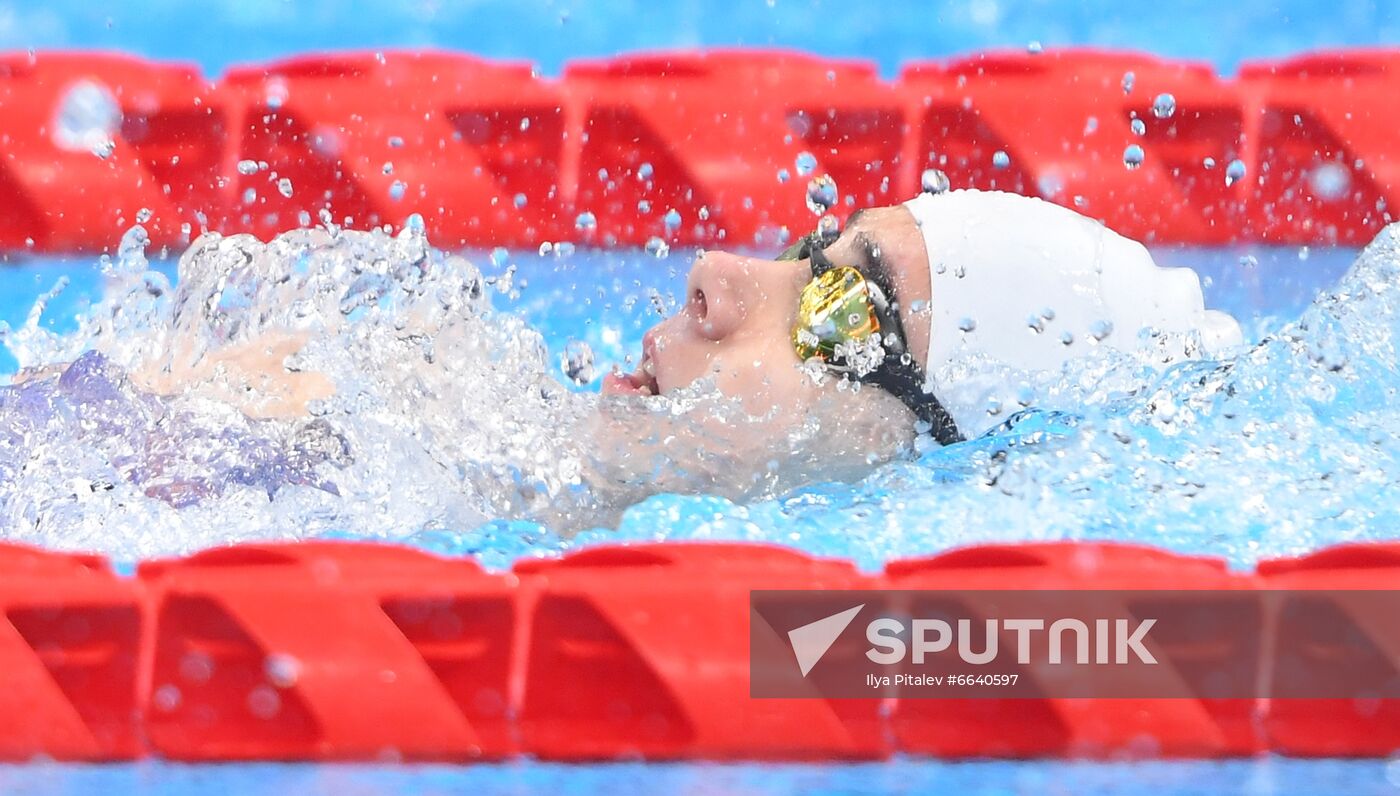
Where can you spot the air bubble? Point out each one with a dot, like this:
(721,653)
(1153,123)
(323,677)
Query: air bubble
(783,175)
(672,219)
(1139,127)
(1132,156)
(644,171)
(520,201)
(395,142)
(585,222)
(247,167)
(1034,47)
(1100,329)
(143,215)
(397,190)
(828,228)
(284,187)
(1128,79)
(966,324)
(806,163)
(1000,159)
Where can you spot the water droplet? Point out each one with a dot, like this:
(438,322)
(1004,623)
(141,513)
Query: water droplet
(783,175)
(1132,156)
(546,248)
(672,219)
(1128,79)
(1035,323)
(643,206)
(585,222)
(1066,338)
(657,247)
(1139,127)
(1248,261)
(282,670)
(395,142)
(828,228)
(388,167)
(577,362)
(284,187)
(1000,159)
(821,194)
(1209,163)
(1100,329)
(1091,125)
(1234,172)
(247,167)
(1330,181)
(250,195)
(644,171)
(703,213)
(934,181)
(564,249)
(806,163)
(499,256)
(143,215)
(1164,106)
(967,324)
(1034,47)
(88,117)
(397,190)
(520,201)
(1304,252)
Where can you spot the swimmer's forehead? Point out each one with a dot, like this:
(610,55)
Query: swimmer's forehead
(888,238)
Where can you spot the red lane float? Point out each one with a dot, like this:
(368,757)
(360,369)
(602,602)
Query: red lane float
(639,652)
(1294,151)
(473,146)
(1362,727)
(1073,727)
(328,651)
(716,138)
(92,140)
(1058,125)
(1323,131)
(70,653)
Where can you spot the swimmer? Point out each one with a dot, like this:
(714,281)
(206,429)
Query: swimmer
(868,331)
(916,325)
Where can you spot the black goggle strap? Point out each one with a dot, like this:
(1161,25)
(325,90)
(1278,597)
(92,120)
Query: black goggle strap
(898,374)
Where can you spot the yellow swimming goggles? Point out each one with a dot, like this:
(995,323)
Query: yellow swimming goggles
(848,320)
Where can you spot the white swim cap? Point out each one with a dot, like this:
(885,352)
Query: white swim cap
(999,262)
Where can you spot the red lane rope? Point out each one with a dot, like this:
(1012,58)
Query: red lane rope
(692,148)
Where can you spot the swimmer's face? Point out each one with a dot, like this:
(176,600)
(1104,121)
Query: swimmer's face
(736,322)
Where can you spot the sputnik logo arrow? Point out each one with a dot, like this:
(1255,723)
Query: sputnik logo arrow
(811,641)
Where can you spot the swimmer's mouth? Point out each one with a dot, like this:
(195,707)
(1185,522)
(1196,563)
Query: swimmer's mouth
(641,381)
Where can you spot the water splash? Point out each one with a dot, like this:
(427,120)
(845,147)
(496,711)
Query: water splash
(448,424)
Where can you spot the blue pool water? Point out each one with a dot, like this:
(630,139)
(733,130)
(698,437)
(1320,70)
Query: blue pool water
(1265,777)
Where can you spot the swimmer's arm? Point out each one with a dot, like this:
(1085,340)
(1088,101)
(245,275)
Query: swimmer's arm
(252,376)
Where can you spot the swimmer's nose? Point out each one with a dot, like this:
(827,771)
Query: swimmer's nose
(720,289)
